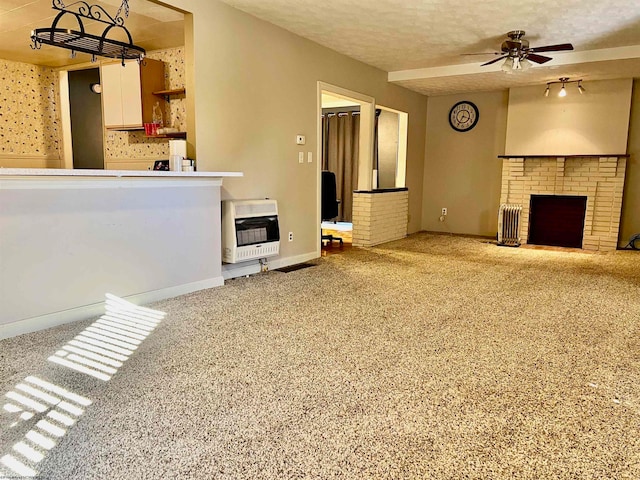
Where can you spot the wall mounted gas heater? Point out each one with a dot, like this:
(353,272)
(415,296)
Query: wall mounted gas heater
(250,230)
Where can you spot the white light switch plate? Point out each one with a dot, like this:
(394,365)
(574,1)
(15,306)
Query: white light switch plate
(300,157)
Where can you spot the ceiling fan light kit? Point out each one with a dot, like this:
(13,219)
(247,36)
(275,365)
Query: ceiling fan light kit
(507,66)
(518,55)
(81,41)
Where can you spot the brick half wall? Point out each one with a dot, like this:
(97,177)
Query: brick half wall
(379,216)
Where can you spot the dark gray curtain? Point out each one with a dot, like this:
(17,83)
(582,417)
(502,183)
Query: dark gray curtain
(340,147)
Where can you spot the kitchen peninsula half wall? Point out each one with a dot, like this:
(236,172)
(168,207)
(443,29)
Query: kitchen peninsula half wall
(68,237)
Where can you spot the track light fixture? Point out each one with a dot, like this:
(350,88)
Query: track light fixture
(563,91)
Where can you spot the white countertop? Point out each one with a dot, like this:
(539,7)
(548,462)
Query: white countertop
(65,172)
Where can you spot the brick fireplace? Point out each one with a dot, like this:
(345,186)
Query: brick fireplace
(598,178)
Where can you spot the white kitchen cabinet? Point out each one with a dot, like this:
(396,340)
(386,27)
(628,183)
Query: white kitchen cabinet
(127,93)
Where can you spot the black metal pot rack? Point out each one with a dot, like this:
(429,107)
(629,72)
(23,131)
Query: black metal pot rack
(81,41)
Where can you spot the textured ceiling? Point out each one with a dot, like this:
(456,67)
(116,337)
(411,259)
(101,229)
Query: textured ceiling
(397,35)
(151,26)
(420,42)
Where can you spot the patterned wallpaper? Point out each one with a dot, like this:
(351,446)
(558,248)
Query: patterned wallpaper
(29,110)
(133,144)
(174,78)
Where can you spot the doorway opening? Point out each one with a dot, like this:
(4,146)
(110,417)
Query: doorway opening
(345,148)
(85,110)
(374,137)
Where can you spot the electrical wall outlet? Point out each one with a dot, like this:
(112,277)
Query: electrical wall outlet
(291,236)
(444,211)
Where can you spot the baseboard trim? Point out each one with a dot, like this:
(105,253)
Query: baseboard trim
(235,270)
(49,320)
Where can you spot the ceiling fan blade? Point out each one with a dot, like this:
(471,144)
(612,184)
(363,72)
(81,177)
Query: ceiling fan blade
(483,53)
(494,60)
(537,58)
(553,48)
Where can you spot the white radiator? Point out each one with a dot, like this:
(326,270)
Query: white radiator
(509,224)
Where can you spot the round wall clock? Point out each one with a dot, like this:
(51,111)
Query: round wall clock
(463,116)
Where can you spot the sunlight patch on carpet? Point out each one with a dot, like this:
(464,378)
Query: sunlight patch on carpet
(98,352)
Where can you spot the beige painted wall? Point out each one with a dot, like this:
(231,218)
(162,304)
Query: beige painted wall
(590,124)
(255,89)
(387,149)
(462,171)
(630,222)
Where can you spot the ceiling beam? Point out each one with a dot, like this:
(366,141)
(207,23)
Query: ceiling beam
(559,59)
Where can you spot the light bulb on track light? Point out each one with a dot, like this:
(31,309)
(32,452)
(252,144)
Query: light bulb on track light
(562,92)
(546,92)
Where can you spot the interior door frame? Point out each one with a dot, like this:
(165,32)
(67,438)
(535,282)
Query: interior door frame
(366,139)
(65,111)
(65,120)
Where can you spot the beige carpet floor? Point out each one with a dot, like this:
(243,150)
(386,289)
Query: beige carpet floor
(433,357)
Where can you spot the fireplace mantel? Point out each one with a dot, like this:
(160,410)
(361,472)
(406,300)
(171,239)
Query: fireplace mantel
(603,155)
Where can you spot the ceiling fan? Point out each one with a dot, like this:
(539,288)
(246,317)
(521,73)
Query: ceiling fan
(515,49)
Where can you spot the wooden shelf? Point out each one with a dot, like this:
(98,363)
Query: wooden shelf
(166,93)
